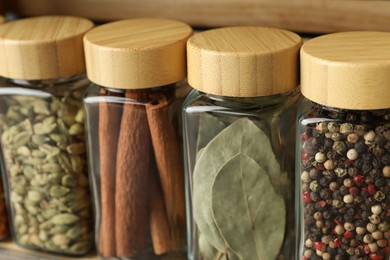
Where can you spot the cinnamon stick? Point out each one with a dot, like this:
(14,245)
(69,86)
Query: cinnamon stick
(109,123)
(169,161)
(132,168)
(159,227)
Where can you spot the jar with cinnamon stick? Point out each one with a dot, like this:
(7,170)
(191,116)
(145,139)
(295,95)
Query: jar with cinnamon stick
(239,143)
(134,136)
(3,209)
(42,133)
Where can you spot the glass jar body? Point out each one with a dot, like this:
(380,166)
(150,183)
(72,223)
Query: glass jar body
(342,185)
(239,155)
(44,164)
(135,151)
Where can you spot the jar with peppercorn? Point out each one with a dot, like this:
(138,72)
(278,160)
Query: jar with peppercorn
(343,147)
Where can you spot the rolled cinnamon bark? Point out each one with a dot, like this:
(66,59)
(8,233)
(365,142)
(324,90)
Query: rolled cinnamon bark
(132,179)
(109,123)
(159,227)
(169,162)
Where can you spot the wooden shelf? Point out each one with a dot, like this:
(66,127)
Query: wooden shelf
(11,251)
(313,16)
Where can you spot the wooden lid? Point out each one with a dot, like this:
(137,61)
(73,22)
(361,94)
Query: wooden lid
(243,61)
(44,47)
(137,53)
(349,70)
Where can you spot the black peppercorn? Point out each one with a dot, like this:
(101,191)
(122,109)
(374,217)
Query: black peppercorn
(337,195)
(325,194)
(352,171)
(386,159)
(379,182)
(348,218)
(324,181)
(315,196)
(344,190)
(365,215)
(387,146)
(310,146)
(360,147)
(380,140)
(359,223)
(315,174)
(326,215)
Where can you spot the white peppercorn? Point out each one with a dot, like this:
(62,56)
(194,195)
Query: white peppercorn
(367,238)
(352,154)
(373,247)
(320,157)
(371,227)
(376,209)
(377,235)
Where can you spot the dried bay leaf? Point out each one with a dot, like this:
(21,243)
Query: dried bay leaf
(248,212)
(244,137)
(209,127)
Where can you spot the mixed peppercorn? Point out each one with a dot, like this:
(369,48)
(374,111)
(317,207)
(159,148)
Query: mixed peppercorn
(345,186)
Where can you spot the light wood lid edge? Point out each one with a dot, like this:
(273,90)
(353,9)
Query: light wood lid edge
(41,48)
(349,70)
(137,53)
(244,61)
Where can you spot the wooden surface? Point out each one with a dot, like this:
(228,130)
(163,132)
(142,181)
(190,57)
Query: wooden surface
(243,61)
(137,53)
(347,70)
(315,16)
(43,48)
(10,251)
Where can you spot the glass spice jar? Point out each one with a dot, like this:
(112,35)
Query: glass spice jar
(42,133)
(343,147)
(134,136)
(3,209)
(239,143)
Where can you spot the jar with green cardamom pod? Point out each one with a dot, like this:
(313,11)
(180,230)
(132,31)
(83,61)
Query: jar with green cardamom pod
(343,147)
(3,209)
(44,166)
(239,143)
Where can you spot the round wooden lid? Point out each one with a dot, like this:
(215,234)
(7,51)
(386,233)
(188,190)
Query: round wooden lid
(349,70)
(243,61)
(137,53)
(42,48)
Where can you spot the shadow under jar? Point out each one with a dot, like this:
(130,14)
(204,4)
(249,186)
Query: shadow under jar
(42,134)
(343,147)
(239,143)
(134,137)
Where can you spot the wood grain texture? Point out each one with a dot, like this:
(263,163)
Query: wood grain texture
(243,61)
(347,70)
(10,251)
(137,53)
(316,16)
(43,48)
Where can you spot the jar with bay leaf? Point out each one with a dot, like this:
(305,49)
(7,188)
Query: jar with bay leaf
(133,118)
(4,232)
(239,148)
(343,148)
(42,134)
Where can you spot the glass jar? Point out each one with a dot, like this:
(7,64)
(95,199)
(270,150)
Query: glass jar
(239,148)
(3,208)
(42,133)
(343,147)
(134,137)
